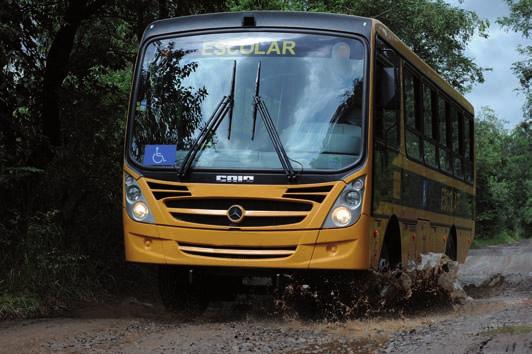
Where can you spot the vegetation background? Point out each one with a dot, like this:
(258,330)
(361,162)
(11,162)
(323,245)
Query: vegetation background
(65,73)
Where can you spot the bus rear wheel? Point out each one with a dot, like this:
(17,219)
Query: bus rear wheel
(450,246)
(179,294)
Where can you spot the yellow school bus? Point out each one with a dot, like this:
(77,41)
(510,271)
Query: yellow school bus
(275,142)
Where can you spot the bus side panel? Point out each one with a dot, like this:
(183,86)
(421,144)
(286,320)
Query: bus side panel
(464,238)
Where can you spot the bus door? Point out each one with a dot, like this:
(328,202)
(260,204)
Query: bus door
(386,152)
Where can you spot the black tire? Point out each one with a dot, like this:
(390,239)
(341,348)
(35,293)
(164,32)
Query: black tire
(450,246)
(390,257)
(179,295)
(384,260)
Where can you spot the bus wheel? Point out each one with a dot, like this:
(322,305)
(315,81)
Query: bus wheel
(450,246)
(178,294)
(390,257)
(384,261)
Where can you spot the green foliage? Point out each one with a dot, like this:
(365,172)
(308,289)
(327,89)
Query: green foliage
(503,238)
(13,174)
(41,265)
(519,20)
(60,206)
(504,178)
(18,306)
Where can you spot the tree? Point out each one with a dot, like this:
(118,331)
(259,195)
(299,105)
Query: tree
(519,20)
(57,63)
(520,173)
(65,72)
(492,188)
(504,177)
(437,31)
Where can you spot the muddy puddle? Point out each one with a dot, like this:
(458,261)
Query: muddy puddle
(432,282)
(422,309)
(431,285)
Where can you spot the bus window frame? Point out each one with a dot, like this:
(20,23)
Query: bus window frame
(448,148)
(430,139)
(383,141)
(470,160)
(418,121)
(445,142)
(326,175)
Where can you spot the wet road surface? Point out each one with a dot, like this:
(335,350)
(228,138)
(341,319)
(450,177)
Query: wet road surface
(498,319)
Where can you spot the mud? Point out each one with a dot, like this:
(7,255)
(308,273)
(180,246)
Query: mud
(421,310)
(431,283)
(494,270)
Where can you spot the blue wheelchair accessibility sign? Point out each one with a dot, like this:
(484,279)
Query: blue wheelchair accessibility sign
(159,155)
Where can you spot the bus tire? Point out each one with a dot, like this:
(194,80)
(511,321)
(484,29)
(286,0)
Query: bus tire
(178,294)
(390,257)
(451,245)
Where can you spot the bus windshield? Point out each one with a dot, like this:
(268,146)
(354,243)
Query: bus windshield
(311,85)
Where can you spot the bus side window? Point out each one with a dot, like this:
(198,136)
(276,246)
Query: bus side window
(409,98)
(442,121)
(386,95)
(429,147)
(467,146)
(427,111)
(443,135)
(412,116)
(454,130)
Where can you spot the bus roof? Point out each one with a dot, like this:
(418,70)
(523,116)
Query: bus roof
(302,20)
(262,19)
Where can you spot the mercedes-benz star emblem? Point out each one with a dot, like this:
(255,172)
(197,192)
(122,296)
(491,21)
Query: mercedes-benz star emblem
(235,213)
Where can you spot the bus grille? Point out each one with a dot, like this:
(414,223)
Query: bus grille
(219,220)
(246,203)
(237,252)
(161,190)
(292,208)
(258,212)
(314,194)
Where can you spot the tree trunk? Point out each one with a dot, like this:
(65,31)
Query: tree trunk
(163,8)
(55,73)
(142,19)
(57,61)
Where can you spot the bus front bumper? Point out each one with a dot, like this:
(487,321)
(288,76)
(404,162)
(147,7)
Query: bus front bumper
(346,248)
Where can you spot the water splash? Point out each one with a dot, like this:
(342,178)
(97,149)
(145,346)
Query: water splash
(347,295)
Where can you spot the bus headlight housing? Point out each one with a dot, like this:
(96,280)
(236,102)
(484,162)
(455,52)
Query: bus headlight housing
(133,193)
(346,210)
(136,205)
(353,198)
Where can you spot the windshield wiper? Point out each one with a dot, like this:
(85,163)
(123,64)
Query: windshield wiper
(225,105)
(232,95)
(260,106)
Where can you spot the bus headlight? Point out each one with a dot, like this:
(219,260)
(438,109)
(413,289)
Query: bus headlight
(341,216)
(140,211)
(136,205)
(346,210)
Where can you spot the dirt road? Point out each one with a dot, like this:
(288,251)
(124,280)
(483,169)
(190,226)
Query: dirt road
(497,320)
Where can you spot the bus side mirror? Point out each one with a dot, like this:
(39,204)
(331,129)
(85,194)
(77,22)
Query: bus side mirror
(387,97)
